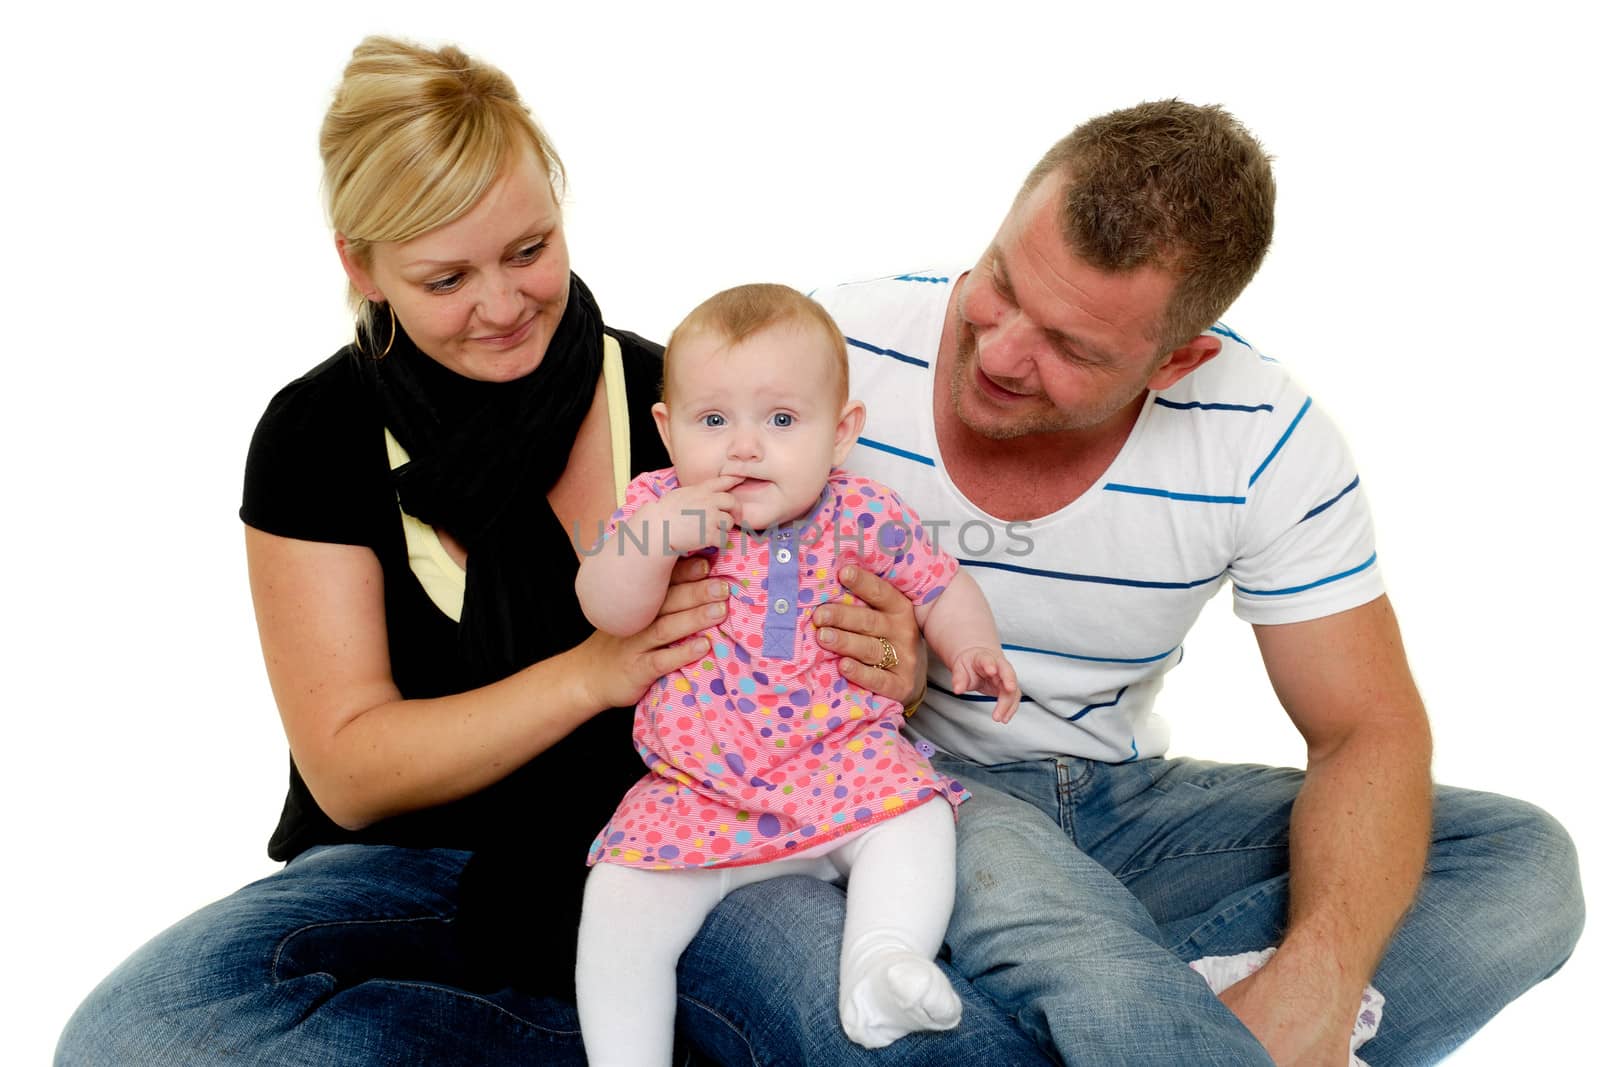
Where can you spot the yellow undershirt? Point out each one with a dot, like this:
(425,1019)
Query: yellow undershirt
(444,581)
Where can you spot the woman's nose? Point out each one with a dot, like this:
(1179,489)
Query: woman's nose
(500,303)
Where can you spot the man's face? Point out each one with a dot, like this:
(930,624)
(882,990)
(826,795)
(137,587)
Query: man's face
(1046,343)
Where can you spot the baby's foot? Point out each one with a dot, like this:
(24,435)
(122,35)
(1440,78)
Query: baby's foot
(893,994)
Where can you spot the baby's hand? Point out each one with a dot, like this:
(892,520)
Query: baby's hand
(986,668)
(695,516)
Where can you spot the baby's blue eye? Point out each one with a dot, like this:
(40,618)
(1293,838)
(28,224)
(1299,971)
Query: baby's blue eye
(713,420)
(783,420)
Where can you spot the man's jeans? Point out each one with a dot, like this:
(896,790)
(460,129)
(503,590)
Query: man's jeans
(348,956)
(1084,887)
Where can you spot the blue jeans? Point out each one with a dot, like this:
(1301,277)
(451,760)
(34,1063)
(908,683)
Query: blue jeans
(1085,887)
(348,956)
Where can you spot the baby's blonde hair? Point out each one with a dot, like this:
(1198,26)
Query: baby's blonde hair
(737,314)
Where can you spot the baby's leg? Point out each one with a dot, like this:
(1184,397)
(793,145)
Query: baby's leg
(902,887)
(635,925)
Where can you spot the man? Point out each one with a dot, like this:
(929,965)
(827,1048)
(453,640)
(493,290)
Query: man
(1105,459)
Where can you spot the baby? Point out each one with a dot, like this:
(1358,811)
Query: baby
(764,760)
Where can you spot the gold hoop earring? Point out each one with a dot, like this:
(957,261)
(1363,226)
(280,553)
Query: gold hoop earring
(394,328)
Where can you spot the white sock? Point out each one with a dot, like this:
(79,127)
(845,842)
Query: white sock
(886,994)
(902,887)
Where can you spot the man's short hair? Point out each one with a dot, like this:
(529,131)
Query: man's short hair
(1183,187)
(736,314)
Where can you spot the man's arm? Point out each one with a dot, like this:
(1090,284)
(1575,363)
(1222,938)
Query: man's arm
(1359,833)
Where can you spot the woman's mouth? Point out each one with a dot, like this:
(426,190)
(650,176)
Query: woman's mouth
(509,340)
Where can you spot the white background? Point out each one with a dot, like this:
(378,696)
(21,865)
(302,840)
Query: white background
(166,267)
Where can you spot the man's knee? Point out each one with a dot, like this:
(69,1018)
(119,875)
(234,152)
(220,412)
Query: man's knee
(1525,879)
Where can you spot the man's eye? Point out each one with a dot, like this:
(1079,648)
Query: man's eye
(783,420)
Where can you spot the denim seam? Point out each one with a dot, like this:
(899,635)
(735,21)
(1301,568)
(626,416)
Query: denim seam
(1064,801)
(726,1021)
(277,953)
(461,994)
(1222,919)
(1133,872)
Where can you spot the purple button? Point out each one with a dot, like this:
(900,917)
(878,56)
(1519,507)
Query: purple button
(926,749)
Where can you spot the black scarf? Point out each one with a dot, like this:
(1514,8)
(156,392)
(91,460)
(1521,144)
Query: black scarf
(483,457)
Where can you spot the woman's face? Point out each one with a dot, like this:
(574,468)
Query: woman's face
(481,295)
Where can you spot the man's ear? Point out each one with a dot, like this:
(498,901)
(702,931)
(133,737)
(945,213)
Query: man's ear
(851,420)
(663,425)
(1183,359)
(356,271)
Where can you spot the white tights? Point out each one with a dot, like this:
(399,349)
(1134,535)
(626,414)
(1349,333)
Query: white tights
(636,923)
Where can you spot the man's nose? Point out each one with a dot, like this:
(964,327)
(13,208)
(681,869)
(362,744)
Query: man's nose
(1005,348)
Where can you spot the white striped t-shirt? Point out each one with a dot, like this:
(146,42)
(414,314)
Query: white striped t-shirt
(1231,475)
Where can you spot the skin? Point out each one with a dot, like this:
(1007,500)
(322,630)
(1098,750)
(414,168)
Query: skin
(1043,367)
(365,752)
(754,429)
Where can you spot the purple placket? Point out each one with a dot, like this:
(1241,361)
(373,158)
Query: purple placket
(783,593)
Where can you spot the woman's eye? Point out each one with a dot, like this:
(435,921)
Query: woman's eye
(528,253)
(783,420)
(443,285)
(712,420)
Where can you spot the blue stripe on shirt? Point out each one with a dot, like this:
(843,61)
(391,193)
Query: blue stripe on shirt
(1113,702)
(1311,585)
(1326,504)
(977,698)
(1286,435)
(1096,579)
(1167,494)
(891,353)
(1195,404)
(1088,659)
(921,278)
(893,451)
(1223,330)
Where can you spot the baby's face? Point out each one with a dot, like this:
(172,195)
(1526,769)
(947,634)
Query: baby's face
(768,409)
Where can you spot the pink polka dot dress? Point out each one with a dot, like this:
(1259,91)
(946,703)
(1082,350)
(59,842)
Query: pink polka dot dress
(763,749)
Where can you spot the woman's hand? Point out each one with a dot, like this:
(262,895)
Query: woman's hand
(854,631)
(622,669)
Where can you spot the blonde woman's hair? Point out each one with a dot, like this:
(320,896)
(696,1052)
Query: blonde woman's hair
(414,137)
(736,314)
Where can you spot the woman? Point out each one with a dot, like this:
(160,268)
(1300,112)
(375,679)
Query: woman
(457,730)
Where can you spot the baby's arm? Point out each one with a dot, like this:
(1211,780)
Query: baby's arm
(960,629)
(621,586)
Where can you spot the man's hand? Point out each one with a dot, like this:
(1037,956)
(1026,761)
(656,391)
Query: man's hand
(853,630)
(1297,1020)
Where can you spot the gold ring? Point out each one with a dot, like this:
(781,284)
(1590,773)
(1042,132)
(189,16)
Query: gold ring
(888,660)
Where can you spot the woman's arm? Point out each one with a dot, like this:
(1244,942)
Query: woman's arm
(365,752)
